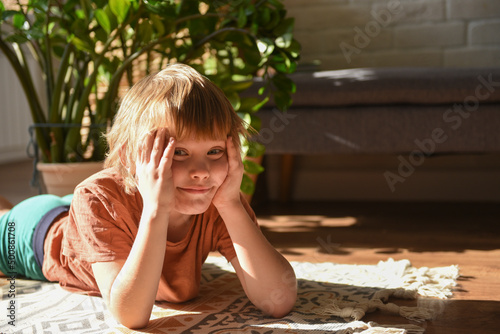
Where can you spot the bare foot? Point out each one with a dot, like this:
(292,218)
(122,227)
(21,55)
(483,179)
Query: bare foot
(5,205)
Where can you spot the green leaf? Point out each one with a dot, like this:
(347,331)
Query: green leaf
(256,122)
(82,44)
(17,39)
(103,20)
(80,14)
(294,49)
(247,185)
(260,105)
(252,104)
(248,103)
(252,167)
(282,100)
(282,63)
(86,8)
(242,18)
(101,35)
(284,31)
(2,9)
(255,149)
(157,24)
(145,31)
(239,86)
(7,14)
(119,8)
(246,117)
(165,9)
(18,20)
(274,21)
(284,27)
(234,98)
(264,16)
(284,83)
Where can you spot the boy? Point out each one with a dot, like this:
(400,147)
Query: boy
(140,230)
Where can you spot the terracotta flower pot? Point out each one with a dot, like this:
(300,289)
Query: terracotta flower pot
(61,178)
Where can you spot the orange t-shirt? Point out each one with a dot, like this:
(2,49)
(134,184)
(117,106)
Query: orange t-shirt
(101,226)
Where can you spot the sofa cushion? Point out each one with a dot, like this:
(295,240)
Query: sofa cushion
(377,86)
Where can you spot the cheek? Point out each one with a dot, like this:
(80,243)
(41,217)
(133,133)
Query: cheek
(219,170)
(176,169)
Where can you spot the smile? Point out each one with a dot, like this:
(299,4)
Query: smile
(196,190)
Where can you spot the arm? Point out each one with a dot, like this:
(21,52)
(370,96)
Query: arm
(129,287)
(266,276)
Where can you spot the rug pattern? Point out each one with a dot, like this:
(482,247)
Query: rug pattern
(221,307)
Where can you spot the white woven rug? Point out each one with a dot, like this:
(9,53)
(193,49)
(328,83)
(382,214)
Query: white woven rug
(332,298)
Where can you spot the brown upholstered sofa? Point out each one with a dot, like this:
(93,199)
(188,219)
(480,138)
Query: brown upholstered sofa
(412,111)
(388,110)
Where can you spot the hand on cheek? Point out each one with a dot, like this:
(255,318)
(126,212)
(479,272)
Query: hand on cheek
(154,172)
(229,191)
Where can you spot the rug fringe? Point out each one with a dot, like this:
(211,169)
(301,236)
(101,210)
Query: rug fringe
(427,282)
(409,283)
(375,328)
(356,311)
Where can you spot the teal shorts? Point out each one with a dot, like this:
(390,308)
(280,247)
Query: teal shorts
(17,229)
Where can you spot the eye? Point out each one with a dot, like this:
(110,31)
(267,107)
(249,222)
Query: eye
(216,152)
(180,152)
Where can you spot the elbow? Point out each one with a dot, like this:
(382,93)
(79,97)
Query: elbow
(132,321)
(282,309)
(132,318)
(280,303)
(280,312)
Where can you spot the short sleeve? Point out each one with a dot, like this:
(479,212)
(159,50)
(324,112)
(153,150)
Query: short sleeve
(222,240)
(103,227)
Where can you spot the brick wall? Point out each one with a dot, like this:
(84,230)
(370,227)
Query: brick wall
(380,33)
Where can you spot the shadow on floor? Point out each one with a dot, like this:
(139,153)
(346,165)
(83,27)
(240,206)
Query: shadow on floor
(388,227)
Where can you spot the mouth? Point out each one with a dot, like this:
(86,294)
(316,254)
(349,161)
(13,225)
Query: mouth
(195,190)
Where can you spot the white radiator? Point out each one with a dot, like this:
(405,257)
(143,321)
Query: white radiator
(15,117)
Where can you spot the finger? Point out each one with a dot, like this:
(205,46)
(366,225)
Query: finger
(233,156)
(159,142)
(168,154)
(147,146)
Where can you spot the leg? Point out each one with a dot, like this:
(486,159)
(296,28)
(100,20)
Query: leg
(21,223)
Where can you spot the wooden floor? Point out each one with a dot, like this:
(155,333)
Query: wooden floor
(428,234)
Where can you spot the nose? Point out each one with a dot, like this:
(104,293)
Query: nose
(199,170)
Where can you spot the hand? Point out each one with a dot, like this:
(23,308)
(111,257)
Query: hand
(229,191)
(154,173)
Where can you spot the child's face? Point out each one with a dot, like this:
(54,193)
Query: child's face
(198,169)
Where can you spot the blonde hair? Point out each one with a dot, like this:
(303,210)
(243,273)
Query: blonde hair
(177,98)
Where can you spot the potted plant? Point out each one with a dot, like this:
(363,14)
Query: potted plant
(88,51)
